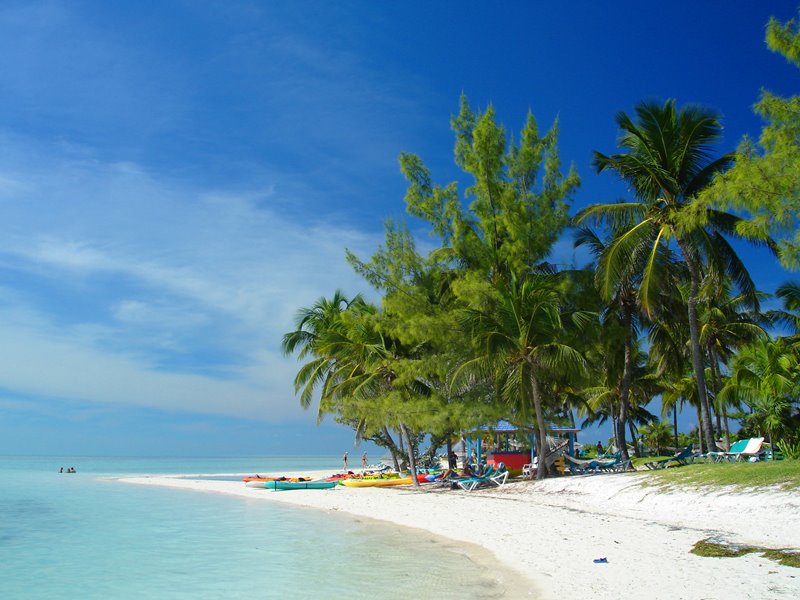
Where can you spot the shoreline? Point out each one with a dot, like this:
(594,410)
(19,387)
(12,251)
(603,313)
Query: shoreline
(549,533)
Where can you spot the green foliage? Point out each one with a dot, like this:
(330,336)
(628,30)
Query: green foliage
(657,435)
(790,451)
(765,375)
(766,179)
(684,439)
(518,201)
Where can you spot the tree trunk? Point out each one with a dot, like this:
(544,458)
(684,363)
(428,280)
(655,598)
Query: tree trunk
(700,430)
(429,456)
(713,365)
(727,429)
(675,423)
(614,411)
(721,407)
(771,448)
(449,449)
(541,469)
(412,461)
(636,450)
(625,388)
(697,354)
(392,448)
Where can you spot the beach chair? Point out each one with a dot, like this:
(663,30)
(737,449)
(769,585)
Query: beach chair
(751,448)
(529,470)
(735,449)
(493,475)
(684,457)
(617,465)
(447,478)
(500,475)
(581,467)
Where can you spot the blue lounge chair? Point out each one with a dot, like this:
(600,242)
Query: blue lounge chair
(684,457)
(587,466)
(493,475)
(617,465)
(735,448)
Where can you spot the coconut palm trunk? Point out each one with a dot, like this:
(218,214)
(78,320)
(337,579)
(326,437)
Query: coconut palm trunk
(700,435)
(675,423)
(541,450)
(636,450)
(625,387)
(722,408)
(697,352)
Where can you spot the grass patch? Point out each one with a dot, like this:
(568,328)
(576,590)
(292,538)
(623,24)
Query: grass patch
(713,549)
(787,559)
(782,474)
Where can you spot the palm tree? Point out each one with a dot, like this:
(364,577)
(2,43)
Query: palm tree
(656,435)
(314,328)
(765,376)
(790,315)
(726,323)
(353,365)
(677,391)
(622,309)
(667,161)
(518,331)
(604,397)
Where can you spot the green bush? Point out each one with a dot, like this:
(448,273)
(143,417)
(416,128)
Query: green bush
(789,450)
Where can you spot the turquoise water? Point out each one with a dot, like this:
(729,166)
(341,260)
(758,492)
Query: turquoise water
(84,536)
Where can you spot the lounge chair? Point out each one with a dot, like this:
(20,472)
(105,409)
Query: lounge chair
(735,448)
(684,457)
(579,466)
(752,448)
(500,475)
(617,465)
(494,475)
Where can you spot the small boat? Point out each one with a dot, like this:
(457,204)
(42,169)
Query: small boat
(255,483)
(376,482)
(318,484)
(339,476)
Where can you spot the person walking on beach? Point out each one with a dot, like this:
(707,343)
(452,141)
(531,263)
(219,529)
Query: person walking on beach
(344,460)
(364,460)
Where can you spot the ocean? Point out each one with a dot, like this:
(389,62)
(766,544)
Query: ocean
(85,536)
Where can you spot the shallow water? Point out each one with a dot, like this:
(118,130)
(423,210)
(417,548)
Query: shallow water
(83,536)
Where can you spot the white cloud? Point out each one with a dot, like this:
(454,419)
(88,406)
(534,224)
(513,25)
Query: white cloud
(193,289)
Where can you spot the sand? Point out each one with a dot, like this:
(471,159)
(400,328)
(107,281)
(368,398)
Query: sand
(550,533)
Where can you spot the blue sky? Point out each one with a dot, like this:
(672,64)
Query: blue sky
(177,178)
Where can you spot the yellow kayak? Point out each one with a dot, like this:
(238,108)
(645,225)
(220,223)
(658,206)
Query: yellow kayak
(376,482)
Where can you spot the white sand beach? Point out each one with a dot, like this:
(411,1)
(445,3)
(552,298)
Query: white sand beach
(550,532)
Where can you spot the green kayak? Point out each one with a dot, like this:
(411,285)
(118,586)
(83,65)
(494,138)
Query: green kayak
(319,484)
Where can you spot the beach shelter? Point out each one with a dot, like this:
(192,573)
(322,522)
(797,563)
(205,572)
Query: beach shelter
(503,453)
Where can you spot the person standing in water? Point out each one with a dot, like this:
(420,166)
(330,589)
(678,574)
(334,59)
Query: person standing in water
(344,460)
(364,460)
